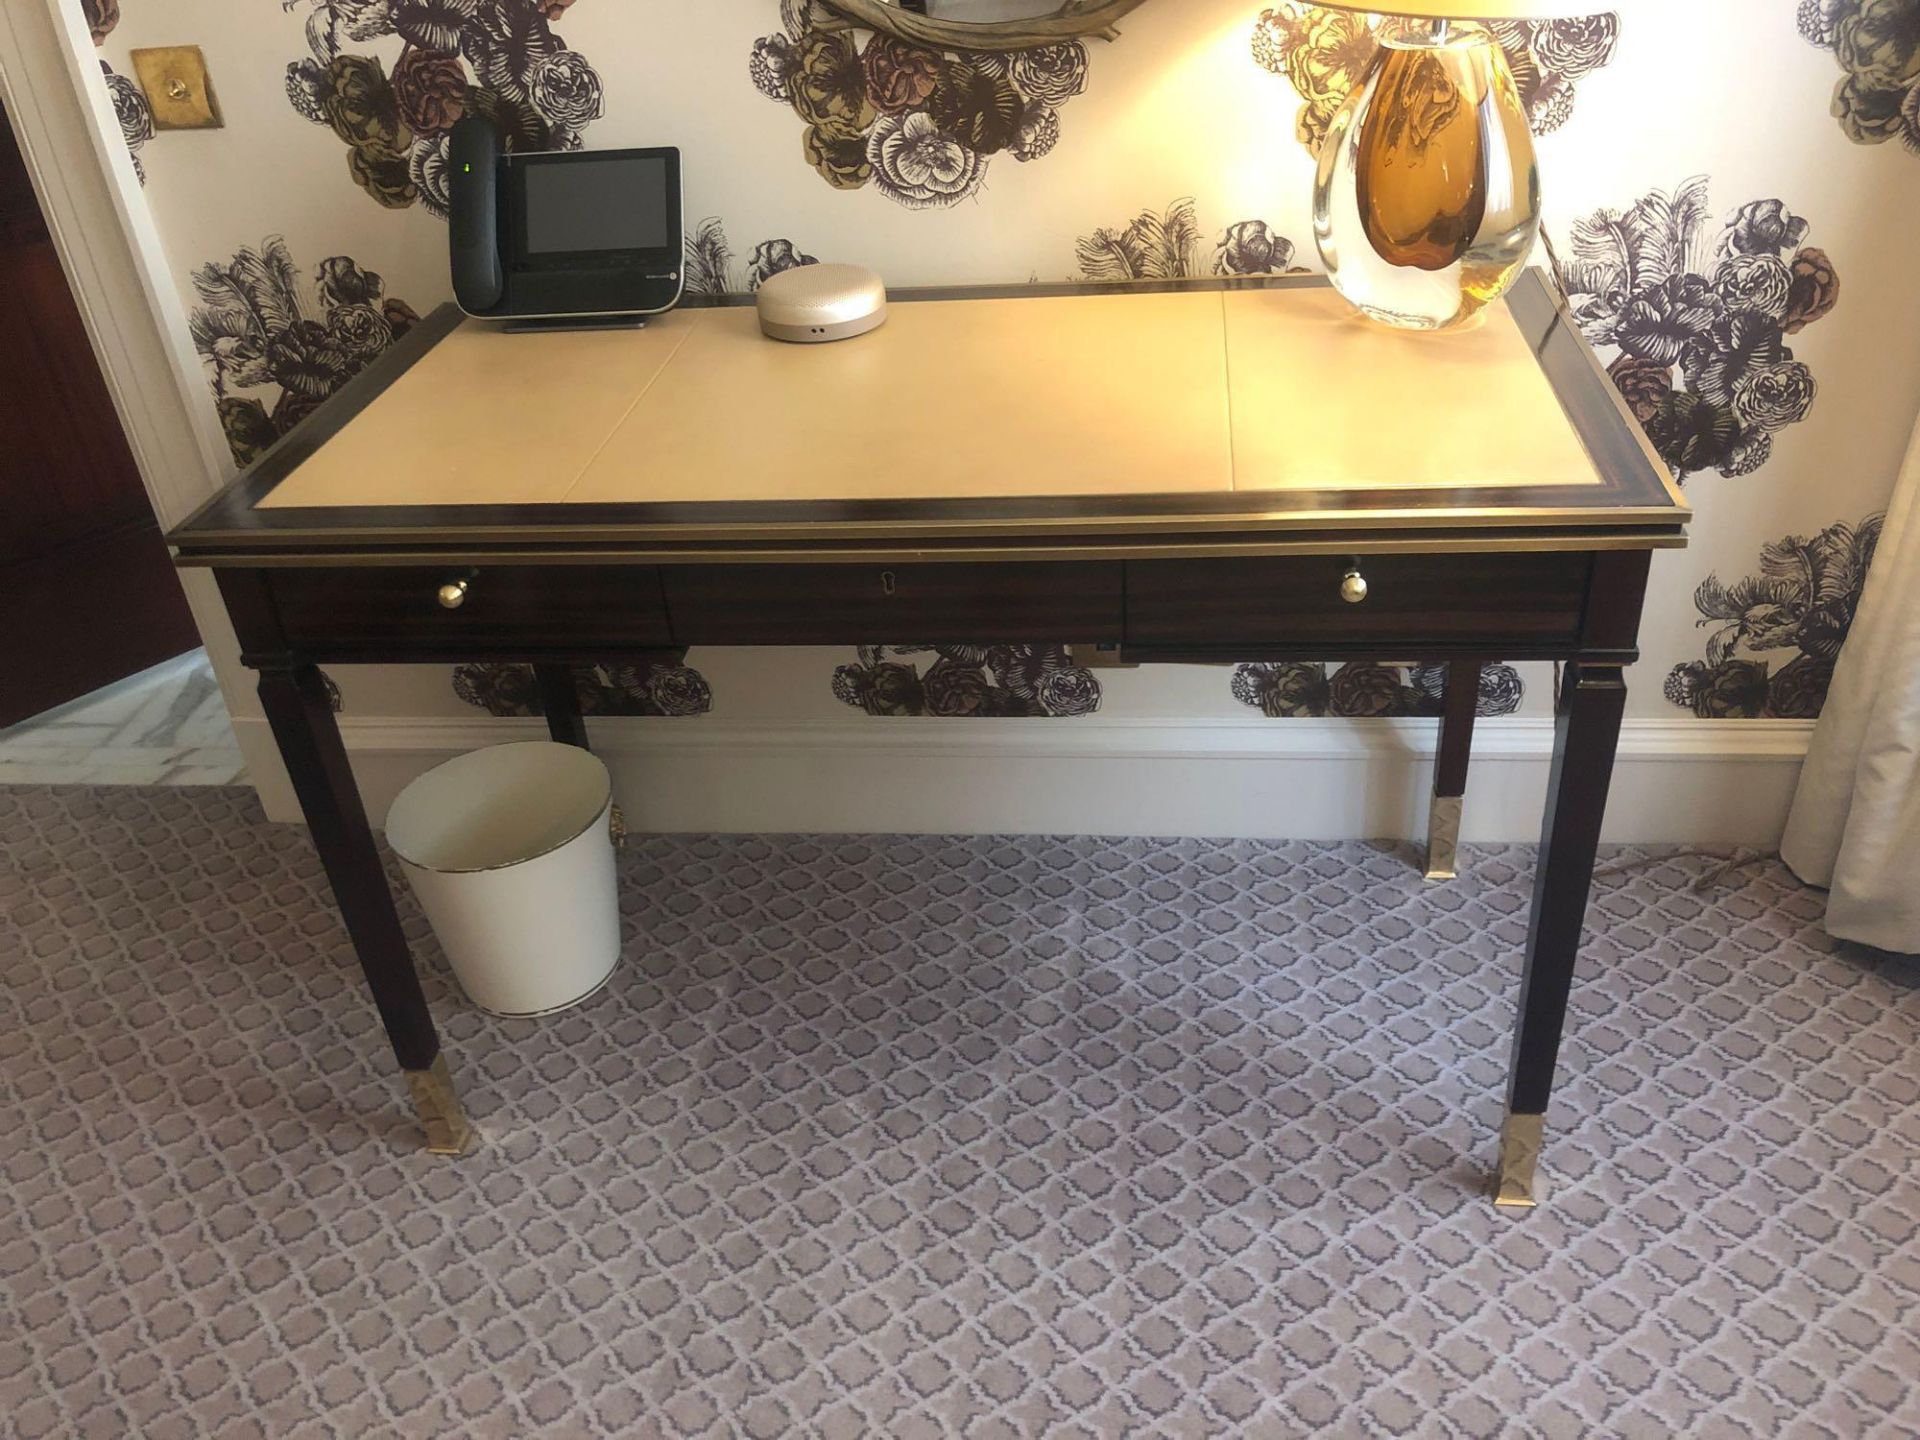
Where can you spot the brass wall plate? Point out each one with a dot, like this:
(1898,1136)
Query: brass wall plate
(174,79)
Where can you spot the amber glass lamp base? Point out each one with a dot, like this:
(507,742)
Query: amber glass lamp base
(1427,200)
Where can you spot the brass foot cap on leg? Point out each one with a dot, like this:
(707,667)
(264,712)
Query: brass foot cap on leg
(1443,837)
(1518,1183)
(447,1127)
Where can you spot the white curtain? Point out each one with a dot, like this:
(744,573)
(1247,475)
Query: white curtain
(1855,826)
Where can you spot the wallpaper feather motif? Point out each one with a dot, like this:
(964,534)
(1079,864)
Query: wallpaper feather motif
(1802,602)
(710,267)
(1167,245)
(262,327)
(1699,317)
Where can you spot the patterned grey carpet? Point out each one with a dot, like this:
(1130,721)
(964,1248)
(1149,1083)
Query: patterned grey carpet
(910,1137)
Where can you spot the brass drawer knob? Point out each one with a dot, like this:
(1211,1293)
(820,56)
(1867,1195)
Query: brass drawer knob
(453,594)
(1353,586)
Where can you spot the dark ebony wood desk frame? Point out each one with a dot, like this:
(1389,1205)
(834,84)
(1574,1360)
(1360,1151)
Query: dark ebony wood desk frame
(1464,575)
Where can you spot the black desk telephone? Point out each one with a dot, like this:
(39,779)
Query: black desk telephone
(563,239)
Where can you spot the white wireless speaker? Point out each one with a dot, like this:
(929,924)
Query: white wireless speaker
(817,303)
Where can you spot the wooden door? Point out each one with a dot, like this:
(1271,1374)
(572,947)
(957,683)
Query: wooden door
(88,594)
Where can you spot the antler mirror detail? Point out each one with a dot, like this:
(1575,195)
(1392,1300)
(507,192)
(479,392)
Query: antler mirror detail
(1000,25)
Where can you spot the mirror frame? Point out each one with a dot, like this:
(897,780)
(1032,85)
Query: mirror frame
(1075,19)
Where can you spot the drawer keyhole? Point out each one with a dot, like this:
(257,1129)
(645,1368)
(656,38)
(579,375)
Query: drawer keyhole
(889,583)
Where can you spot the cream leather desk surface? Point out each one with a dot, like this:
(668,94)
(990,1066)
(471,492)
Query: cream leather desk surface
(1264,390)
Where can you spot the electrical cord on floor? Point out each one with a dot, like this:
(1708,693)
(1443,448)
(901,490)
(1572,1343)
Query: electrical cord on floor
(1743,857)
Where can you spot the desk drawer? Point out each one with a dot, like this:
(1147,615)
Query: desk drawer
(873,604)
(509,610)
(1522,601)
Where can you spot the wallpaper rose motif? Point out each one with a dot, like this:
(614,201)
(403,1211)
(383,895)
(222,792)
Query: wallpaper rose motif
(1699,321)
(261,327)
(655,685)
(1324,54)
(497,58)
(130,108)
(1166,245)
(1804,599)
(918,125)
(710,261)
(102,16)
(1299,690)
(1877,43)
(1030,681)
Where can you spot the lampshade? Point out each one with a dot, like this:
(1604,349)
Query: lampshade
(1478,9)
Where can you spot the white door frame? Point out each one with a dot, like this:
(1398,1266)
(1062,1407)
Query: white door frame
(122,282)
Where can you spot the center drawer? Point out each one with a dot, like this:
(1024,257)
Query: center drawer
(885,604)
(1511,602)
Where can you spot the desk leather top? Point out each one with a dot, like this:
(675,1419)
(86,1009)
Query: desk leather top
(1274,390)
(1227,415)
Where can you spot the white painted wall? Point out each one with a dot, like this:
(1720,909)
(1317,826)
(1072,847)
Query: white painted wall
(1681,781)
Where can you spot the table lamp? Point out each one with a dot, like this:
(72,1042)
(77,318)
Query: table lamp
(1427,200)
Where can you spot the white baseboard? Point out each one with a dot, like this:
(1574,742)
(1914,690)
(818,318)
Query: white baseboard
(1681,780)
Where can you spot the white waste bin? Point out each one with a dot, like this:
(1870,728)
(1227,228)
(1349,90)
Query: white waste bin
(510,854)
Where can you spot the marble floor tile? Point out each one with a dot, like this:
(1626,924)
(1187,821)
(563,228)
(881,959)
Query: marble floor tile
(165,726)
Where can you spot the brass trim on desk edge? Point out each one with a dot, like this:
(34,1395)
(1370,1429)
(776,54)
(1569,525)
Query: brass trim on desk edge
(1518,301)
(902,554)
(1187,522)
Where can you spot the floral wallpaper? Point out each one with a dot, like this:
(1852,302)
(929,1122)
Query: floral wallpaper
(656,684)
(135,115)
(130,106)
(978,681)
(1699,316)
(710,268)
(1366,691)
(1715,303)
(1877,43)
(262,327)
(920,126)
(102,16)
(1167,245)
(1802,602)
(1324,53)
(499,58)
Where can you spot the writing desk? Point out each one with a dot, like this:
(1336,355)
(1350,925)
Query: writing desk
(1233,470)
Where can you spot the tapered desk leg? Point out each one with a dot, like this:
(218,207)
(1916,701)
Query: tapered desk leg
(560,702)
(1586,735)
(296,703)
(1450,769)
